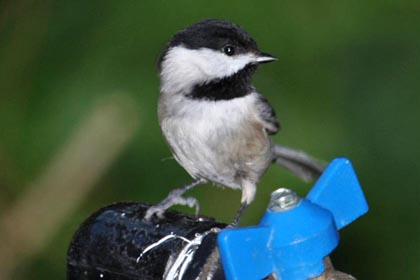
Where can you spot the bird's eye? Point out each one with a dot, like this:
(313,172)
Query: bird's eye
(229,50)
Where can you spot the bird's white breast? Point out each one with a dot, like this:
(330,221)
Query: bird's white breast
(210,139)
(201,118)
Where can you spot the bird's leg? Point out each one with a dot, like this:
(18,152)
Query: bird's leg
(248,194)
(238,215)
(175,198)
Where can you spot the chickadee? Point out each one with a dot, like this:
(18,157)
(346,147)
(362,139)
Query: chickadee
(216,124)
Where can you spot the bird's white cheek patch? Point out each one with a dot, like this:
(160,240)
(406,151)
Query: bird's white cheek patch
(183,68)
(218,65)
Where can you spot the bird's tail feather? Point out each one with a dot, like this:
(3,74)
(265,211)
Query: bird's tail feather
(297,162)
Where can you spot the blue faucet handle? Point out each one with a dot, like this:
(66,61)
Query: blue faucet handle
(338,190)
(293,238)
(245,252)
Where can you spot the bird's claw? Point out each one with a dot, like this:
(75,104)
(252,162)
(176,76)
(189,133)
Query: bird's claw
(193,202)
(173,199)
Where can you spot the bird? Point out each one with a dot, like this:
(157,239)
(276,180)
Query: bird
(216,124)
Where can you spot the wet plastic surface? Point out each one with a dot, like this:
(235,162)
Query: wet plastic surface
(108,245)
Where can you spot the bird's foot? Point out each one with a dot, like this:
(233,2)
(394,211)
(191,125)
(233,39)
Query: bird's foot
(171,200)
(175,198)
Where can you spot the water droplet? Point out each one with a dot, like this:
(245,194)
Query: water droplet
(215,230)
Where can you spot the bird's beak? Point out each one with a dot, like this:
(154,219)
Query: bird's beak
(264,58)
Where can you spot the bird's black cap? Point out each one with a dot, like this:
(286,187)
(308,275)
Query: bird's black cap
(214,34)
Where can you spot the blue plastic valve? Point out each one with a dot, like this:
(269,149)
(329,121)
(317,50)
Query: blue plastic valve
(295,234)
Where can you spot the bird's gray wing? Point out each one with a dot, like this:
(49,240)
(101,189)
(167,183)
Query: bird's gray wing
(297,162)
(267,115)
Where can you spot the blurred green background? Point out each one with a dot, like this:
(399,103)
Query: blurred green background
(78,124)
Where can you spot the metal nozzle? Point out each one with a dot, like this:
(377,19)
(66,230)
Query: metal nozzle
(283,199)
